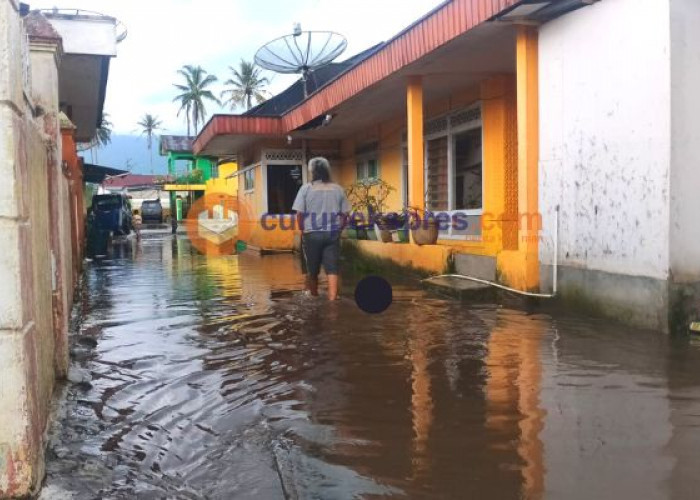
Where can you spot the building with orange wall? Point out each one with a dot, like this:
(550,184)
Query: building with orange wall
(73,170)
(426,111)
(476,110)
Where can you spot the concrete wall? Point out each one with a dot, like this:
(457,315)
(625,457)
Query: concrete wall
(605,136)
(44,61)
(32,348)
(685,167)
(606,157)
(685,126)
(26,333)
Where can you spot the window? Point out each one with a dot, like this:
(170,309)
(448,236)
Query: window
(454,169)
(367,162)
(367,169)
(437,174)
(283,183)
(249,179)
(181,167)
(214,170)
(467,170)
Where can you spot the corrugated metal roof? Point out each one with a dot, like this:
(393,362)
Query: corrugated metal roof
(96,174)
(293,95)
(132,180)
(432,31)
(175,144)
(438,27)
(238,125)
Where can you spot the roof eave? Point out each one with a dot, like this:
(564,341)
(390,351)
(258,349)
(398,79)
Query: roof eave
(438,27)
(238,125)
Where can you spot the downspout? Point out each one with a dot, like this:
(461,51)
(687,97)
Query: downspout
(555,271)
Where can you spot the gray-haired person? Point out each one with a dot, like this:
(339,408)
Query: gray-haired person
(322,209)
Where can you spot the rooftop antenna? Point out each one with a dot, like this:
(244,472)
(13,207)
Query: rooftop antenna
(302,52)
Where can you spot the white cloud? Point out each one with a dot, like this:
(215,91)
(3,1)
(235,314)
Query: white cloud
(166,34)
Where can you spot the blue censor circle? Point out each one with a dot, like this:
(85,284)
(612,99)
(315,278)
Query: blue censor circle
(373,294)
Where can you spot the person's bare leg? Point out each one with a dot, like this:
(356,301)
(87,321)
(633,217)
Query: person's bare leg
(312,285)
(332,286)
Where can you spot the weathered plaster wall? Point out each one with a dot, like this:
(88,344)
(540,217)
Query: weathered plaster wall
(685,126)
(605,137)
(29,152)
(26,334)
(44,60)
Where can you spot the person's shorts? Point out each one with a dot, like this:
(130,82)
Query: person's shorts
(320,248)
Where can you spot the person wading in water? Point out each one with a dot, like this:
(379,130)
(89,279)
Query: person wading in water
(322,209)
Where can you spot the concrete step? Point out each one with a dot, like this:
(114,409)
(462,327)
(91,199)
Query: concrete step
(461,289)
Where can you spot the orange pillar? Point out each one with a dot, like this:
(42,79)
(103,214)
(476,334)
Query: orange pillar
(416,159)
(528,151)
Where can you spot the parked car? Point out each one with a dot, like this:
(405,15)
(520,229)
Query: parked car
(152,211)
(112,212)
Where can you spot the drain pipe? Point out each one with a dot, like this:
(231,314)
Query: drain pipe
(555,271)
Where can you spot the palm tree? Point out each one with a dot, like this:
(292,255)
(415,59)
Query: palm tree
(247,84)
(149,124)
(194,93)
(103,136)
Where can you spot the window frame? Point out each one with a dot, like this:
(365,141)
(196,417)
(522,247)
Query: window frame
(362,163)
(248,174)
(450,132)
(271,157)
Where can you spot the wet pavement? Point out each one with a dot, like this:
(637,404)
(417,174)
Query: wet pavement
(197,377)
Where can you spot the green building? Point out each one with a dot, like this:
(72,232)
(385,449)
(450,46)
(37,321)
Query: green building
(187,172)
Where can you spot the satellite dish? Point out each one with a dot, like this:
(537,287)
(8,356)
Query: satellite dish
(301,52)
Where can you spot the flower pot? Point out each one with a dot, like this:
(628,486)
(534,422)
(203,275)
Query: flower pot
(424,231)
(400,236)
(382,234)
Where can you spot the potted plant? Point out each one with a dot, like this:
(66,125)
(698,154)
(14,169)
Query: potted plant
(388,225)
(401,233)
(424,226)
(368,200)
(383,227)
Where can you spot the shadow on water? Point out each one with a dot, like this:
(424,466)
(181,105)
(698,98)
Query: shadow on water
(214,378)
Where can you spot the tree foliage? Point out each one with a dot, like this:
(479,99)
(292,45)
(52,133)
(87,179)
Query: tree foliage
(194,93)
(247,84)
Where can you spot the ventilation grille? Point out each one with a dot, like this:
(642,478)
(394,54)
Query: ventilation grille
(283,155)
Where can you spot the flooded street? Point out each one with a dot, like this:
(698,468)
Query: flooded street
(198,377)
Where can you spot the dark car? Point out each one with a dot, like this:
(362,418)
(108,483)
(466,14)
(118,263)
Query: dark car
(112,212)
(151,211)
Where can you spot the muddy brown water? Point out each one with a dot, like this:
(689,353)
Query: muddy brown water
(213,378)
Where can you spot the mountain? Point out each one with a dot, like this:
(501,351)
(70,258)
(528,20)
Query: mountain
(129,152)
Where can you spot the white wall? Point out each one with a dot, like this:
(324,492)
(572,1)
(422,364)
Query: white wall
(605,136)
(685,163)
(86,35)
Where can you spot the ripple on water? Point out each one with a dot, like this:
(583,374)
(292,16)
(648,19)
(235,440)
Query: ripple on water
(214,378)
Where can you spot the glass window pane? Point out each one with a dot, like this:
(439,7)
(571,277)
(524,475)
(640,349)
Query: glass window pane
(437,174)
(373,168)
(360,170)
(468,173)
(249,179)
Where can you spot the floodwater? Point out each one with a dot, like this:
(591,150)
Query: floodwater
(198,377)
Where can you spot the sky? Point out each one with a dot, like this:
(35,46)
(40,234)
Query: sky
(164,35)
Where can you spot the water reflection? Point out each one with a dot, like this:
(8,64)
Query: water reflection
(214,378)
